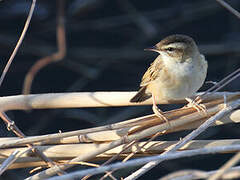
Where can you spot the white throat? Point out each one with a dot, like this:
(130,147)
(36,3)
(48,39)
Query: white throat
(176,66)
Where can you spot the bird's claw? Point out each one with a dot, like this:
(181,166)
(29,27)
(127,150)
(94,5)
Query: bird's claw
(196,105)
(159,114)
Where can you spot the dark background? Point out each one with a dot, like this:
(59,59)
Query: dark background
(105,42)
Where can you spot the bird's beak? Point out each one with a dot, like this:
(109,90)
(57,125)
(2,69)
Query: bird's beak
(153,48)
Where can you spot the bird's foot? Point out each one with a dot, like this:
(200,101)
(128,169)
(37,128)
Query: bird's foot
(159,114)
(196,104)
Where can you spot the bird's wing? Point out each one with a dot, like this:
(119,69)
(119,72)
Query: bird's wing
(152,73)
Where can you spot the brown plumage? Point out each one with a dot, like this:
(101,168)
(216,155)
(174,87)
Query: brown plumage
(150,75)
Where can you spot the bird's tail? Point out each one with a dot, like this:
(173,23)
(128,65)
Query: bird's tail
(141,95)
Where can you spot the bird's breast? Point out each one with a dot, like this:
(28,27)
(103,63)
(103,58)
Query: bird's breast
(177,81)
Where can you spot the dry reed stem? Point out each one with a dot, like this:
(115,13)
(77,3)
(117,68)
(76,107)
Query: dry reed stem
(7,162)
(140,161)
(227,108)
(233,173)
(48,139)
(83,99)
(141,129)
(229,8)
(12,127)
(137,136)
(230,163)
(112,158)
(61,152)
(188,119)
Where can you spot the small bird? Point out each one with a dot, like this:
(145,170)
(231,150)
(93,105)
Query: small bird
(178,72)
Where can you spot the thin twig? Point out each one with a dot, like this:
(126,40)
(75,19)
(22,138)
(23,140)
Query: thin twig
(233,173)
(55,169)
(233,161)
(57,56)
(115,157)
(179,175)
(8,161)
(12,127)
(132,154)
(112,159)
(19,42)
(229,8)
(222,83)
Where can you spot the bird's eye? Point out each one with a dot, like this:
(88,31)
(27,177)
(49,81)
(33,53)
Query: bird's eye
(170,49)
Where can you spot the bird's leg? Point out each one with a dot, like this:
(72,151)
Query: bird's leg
(158,112)
(197,104)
